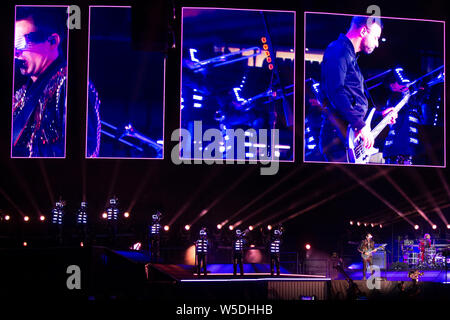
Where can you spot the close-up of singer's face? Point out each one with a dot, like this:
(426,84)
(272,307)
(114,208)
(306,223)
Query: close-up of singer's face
(34,57)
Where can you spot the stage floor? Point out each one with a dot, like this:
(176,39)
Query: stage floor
(428,275)
(222,272)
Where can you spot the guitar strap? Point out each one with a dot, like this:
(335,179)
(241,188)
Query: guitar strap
(331,115)
(337,122)
(369,96)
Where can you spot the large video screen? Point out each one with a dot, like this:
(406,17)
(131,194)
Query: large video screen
(237,84)
(373,95)
(39,106)
(125,112)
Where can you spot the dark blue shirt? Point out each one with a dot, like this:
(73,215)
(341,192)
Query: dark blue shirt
(343,82)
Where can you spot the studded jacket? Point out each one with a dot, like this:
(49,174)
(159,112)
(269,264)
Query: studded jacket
(39,116)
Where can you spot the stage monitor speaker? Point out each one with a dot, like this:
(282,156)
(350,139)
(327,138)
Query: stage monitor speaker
(398,266)
(151,25)
(379,259)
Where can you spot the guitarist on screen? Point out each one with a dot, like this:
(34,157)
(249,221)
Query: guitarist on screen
(343,87)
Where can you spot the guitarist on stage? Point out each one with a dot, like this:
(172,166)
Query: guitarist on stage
(343,87)
(366,248)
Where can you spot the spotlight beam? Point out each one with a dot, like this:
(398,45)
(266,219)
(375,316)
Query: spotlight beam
(374,193)
(299,186)
(263,194)
(112,184)
(311,207)
(223,195)
(140,189)
(412,212)
(407,198)
(304,200)
(427,210)
(420,200)
(83,179)
(5,195)
(193,196)
(429,196)
(26,189)
(318,204)
(444,181)
(47,182)
(440,214)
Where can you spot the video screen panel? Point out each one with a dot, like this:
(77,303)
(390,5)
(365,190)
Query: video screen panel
(125,99)
(373,96)
(238,70)
(39,104)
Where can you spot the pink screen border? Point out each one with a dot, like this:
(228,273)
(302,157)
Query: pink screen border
(181,79)
(304,96)
(67,87)
(87,98)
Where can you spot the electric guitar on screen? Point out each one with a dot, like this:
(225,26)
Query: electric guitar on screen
(357,153)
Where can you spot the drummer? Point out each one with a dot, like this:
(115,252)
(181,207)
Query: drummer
(425,243)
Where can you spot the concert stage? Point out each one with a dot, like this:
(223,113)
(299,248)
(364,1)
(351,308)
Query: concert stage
(295,289)
(290,287)
(41,273)
(428,275)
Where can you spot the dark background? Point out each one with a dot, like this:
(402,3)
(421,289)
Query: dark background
(323,198)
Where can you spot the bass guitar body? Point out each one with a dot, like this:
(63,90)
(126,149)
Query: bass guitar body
(357,153)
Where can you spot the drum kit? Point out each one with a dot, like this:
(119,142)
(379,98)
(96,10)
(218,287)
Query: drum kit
(420,257)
